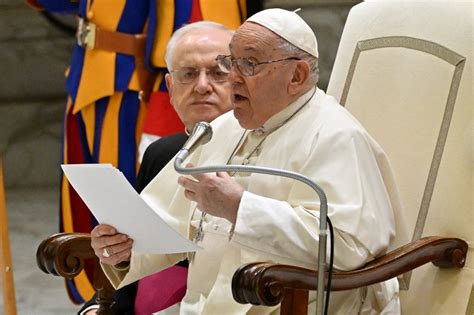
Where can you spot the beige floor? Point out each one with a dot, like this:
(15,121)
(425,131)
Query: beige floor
(33,215)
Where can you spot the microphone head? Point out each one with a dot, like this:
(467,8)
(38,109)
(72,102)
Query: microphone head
(202,133)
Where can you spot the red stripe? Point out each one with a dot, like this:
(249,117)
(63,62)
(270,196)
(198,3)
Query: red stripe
(161,118)
(81,216)
(195,12)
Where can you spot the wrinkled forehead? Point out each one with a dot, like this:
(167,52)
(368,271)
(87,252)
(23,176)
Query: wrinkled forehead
(200,45)
(253,39)
(205,37)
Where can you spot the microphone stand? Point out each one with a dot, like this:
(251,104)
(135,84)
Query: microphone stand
(181,156)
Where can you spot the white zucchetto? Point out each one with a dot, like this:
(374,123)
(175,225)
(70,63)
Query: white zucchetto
(290,26)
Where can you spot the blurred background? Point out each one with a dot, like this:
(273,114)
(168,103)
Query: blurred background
(35,50)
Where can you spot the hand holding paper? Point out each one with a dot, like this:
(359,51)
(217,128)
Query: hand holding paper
(110,246)
(113,201)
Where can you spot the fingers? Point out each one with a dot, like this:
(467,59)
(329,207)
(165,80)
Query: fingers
(105,235)
(198,177)
(190,187)
(116,239)
(188,183)
(110,251)
(117,246)
(223,175)
(115,254)
(191,195)
(109,245)
(103,229)
(121,257)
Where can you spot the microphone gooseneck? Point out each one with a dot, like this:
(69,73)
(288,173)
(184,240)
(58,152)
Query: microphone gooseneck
(204,134)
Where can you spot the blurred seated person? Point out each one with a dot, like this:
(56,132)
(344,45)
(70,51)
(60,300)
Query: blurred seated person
(280,119)
(199,91)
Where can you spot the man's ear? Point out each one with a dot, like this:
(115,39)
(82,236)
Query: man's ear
(300,76)
(169,86)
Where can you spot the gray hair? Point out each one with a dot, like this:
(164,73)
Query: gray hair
(294,51)
(187,28)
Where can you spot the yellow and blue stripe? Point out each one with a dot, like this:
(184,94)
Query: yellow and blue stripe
(103,118)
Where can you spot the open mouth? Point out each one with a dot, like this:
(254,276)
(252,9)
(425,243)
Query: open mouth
(238,98)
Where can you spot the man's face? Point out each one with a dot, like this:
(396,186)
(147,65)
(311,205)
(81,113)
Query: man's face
(202,99)
(257,98)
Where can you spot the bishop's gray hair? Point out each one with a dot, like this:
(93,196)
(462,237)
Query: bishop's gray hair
(294,51)
(187,28)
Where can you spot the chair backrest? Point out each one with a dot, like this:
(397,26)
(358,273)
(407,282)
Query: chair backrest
(404,69)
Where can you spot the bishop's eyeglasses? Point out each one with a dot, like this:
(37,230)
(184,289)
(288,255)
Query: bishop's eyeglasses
(188,75)
(245,66)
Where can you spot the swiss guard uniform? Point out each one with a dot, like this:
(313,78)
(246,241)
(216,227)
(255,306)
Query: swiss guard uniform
(116,91)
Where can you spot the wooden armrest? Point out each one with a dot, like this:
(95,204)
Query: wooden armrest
(264,283)
(64,255)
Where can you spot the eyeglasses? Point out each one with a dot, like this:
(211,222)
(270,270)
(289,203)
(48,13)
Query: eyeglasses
(188,75)
(245,66)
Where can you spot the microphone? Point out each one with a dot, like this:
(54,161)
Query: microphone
(201,134)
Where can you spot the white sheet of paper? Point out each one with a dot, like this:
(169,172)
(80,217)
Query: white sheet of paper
(112,200)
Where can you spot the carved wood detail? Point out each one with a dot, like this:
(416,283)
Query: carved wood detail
(64,254)
(265,283)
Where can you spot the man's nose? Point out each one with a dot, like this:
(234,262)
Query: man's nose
(203,84)
(234,75)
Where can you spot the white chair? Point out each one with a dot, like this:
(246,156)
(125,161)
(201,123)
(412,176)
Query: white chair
(404,69)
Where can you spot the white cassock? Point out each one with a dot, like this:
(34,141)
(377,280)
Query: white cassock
(278,217)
